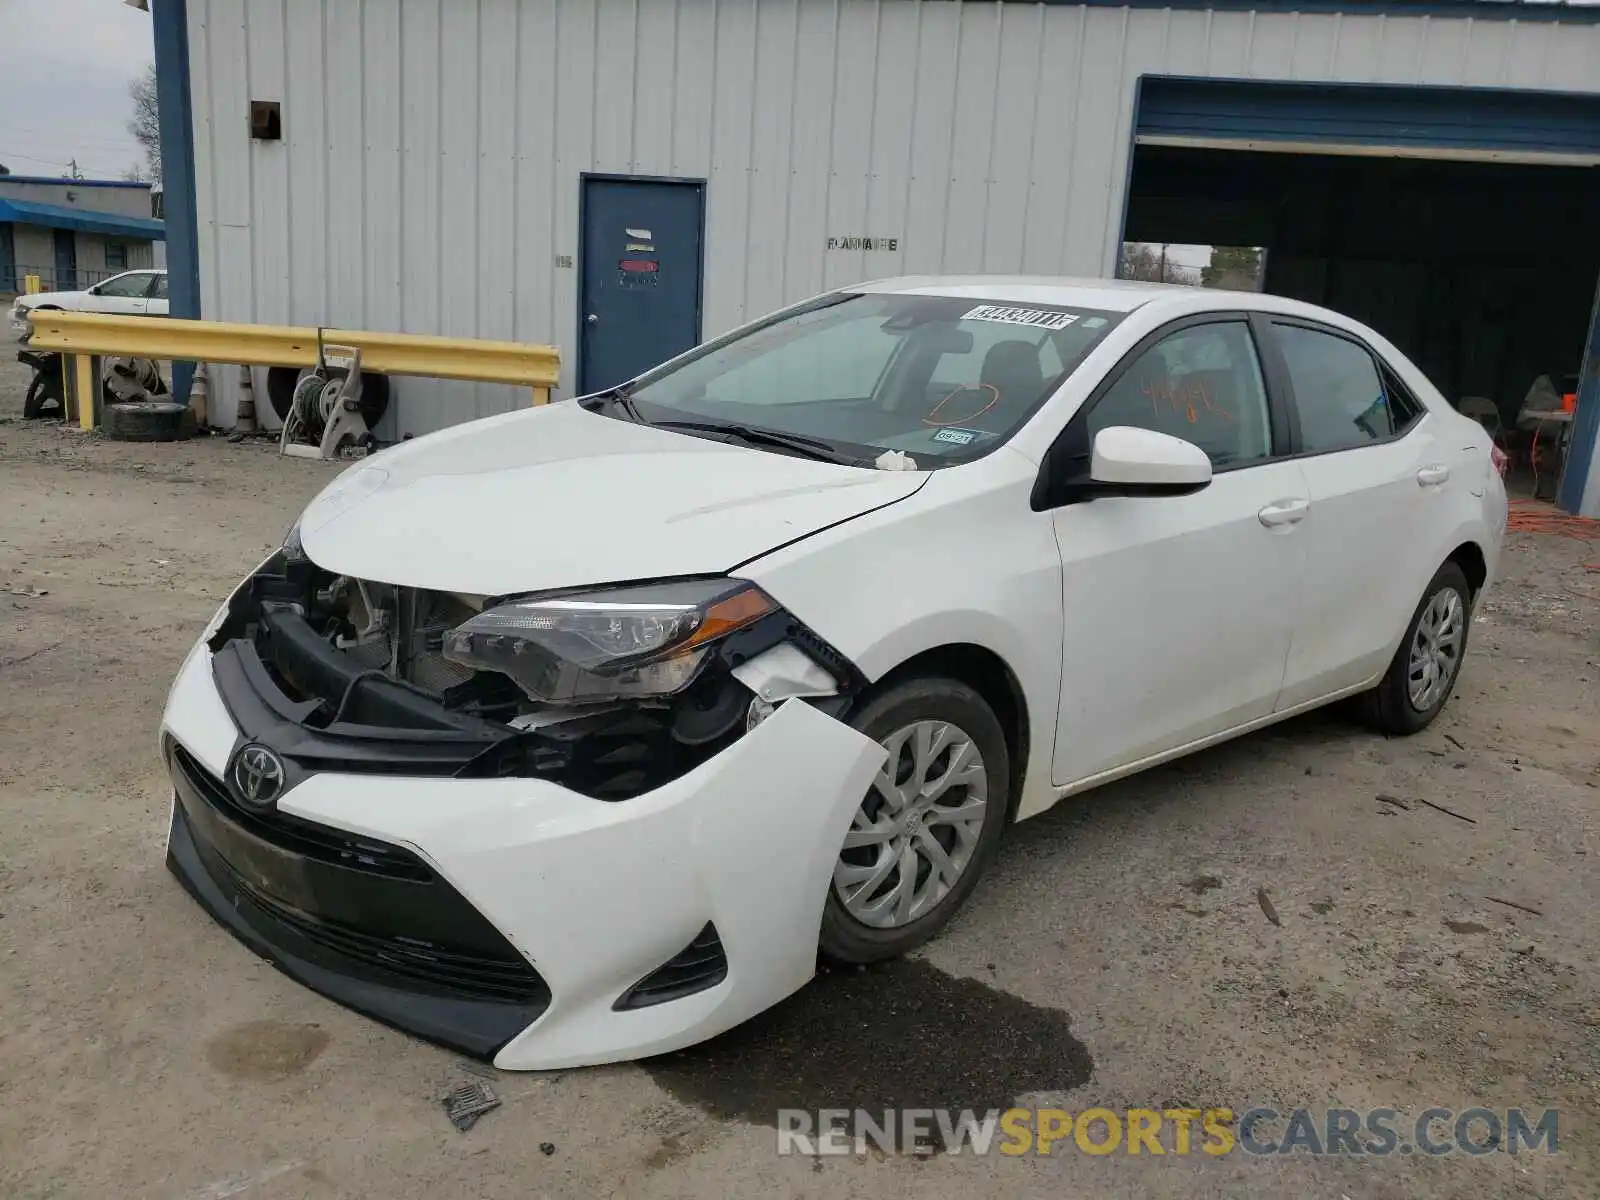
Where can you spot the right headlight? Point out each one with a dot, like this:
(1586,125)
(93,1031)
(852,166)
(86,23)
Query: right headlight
(611,644)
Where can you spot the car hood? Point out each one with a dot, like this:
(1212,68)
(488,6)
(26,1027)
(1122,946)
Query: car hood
(561,497)
(59,299)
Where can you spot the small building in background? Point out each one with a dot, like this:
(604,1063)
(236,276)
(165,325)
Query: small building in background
(626,178)
(73,233)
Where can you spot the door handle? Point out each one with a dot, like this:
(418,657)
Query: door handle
(1284,512)
(1433,475)
(593,318)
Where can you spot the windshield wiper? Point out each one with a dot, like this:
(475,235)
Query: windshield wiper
(622,397)
(752,436)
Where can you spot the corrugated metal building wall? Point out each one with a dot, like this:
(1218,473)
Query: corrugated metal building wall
(428,175)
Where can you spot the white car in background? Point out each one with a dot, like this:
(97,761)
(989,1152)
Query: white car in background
(136,293)
(572,735)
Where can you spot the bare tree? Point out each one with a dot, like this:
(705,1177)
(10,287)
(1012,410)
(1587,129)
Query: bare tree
(1142,262)
(1151,264)
(146,123)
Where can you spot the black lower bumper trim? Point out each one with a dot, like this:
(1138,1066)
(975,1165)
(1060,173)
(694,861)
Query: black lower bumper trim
(479,1027)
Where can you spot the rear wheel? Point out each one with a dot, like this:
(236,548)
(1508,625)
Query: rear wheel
(1424,670)
(928,825)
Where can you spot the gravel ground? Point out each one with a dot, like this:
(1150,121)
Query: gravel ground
(1250,926)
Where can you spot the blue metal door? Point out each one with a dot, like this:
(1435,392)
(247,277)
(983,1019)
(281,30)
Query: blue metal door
(8,262)
(66,260)
(639,295)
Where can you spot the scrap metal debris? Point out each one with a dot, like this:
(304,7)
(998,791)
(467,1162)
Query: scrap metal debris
(1449,812)
(466,1102)
(1515,905)
(1453,742)
(1266,906)
(1384,798)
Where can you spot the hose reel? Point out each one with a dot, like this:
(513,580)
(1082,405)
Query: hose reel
(325,417)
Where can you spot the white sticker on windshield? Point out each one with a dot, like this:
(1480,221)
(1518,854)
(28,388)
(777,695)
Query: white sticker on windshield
(1035,318)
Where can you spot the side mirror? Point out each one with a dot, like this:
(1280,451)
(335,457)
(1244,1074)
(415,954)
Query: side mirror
(95,290)
(1141,462)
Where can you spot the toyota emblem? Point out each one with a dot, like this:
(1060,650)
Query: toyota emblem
(257,777)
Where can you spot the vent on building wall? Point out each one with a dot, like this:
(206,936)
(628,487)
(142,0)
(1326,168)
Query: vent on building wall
(266,120)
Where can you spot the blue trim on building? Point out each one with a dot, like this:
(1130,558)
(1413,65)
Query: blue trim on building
(1478,10)
(109,183)
(1585,423)
(57,216)
(170,21)
(1372,114)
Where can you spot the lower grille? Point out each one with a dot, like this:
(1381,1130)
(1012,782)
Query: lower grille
(356,906)
(300,837)
(700,965)
(421,962)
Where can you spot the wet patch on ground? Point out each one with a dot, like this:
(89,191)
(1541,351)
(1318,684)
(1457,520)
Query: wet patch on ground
(903,1034)
(266,1051)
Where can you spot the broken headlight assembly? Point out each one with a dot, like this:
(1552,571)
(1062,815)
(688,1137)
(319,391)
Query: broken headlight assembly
(621,643)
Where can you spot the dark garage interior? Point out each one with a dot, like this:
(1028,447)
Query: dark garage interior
(1484,273)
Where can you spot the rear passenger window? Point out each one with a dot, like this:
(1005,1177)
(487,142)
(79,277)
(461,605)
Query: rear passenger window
(1341,400)
(1404,407)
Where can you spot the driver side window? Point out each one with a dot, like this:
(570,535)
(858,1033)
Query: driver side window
(1202,384)
(125,286)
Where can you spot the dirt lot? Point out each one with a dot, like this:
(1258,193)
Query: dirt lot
(1252,926)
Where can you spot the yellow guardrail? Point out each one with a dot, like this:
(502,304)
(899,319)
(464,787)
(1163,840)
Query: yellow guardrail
(470,359)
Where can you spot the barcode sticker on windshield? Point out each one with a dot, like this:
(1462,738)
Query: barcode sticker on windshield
(1035,318)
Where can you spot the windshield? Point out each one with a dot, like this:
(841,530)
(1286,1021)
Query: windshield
(940,378)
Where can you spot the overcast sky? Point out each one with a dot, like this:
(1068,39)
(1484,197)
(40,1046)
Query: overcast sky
(65,66)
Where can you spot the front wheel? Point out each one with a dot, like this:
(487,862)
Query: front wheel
(926,828)
(1425,668)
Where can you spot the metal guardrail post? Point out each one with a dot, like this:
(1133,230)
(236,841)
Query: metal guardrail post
(80,373)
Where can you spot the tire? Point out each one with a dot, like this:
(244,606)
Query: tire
(281,383)
(39,394)
(148,421)
(895,718)
(1394,707)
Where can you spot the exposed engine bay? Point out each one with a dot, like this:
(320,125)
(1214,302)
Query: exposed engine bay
(364,673)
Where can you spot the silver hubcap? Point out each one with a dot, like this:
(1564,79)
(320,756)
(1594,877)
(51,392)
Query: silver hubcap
(1436,649)
(917,829)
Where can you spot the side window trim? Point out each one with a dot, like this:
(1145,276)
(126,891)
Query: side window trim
(1270,322)
(1280,412)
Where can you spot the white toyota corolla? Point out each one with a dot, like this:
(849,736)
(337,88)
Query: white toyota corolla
(572,735)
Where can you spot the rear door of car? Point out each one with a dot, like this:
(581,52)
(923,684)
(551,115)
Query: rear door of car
(158,295)
(1381,473)
(1178,610)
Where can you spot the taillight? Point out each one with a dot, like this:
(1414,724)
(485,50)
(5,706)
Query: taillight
(1498,457)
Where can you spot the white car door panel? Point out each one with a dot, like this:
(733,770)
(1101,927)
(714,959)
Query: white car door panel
(1179,609)
(1363,577)
(122,295)
(1178,614)
(1374,503)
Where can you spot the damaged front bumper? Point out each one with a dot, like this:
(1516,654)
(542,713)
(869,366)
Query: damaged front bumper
(516,919)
